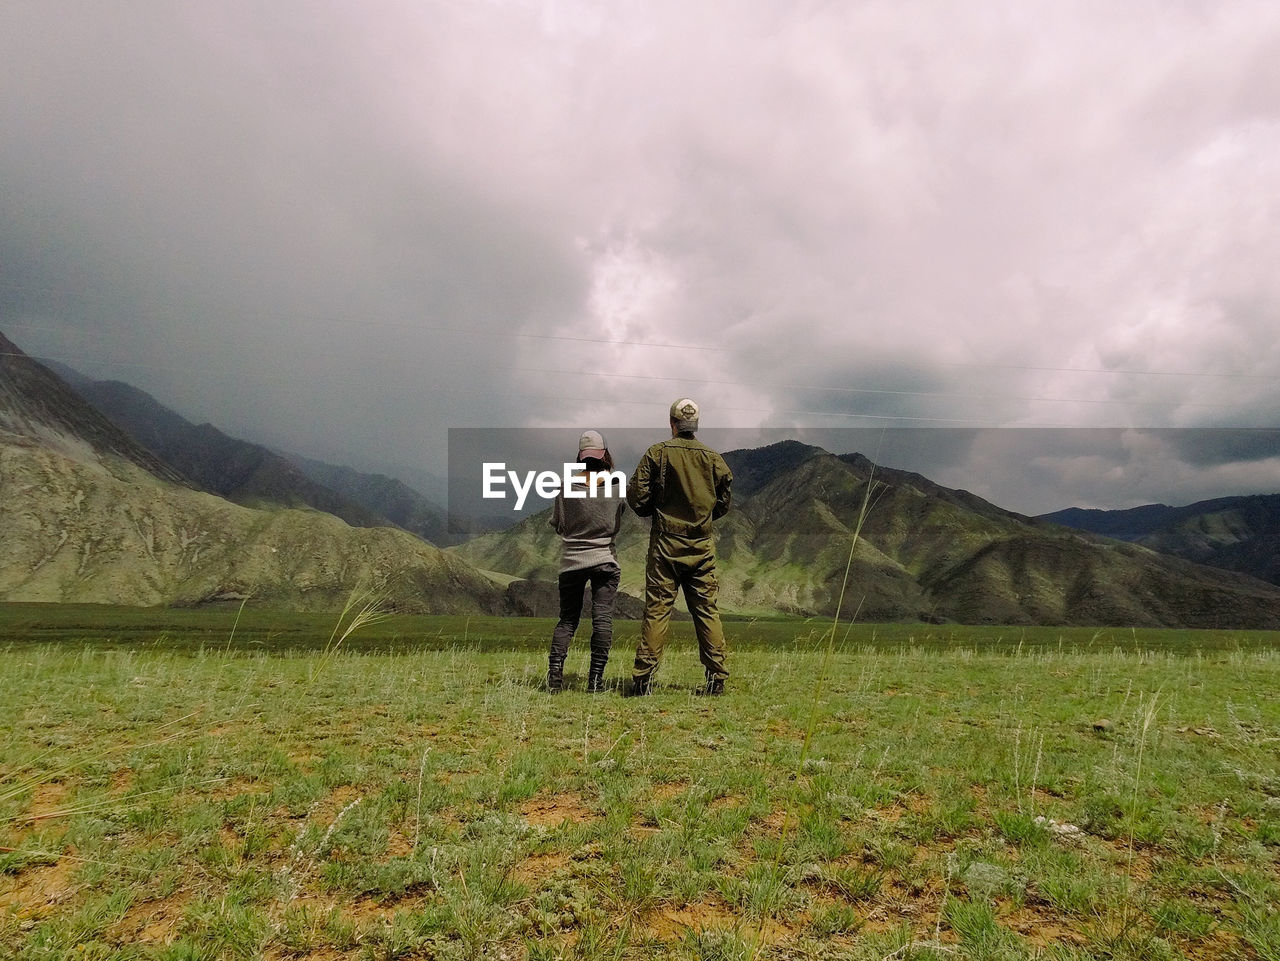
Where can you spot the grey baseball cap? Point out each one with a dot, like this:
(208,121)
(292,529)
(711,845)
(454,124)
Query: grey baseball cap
(685,413)
(592,444)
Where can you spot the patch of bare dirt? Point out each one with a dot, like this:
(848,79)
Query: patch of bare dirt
(667,790)
(670,923)
(238,787)
(890,915)
(539,867)
(727,801)
(556,810)
(121,781)
(367,911)
(1138,862)
(49,801)
(1219,944)
(338,799)
(646,825)
(152,922)
(1043,796)
(892,813)
(776,822)
(1041,929)
(399,845)
(36,889)
(363,911)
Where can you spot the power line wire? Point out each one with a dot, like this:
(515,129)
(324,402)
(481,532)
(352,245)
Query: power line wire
(616,342)
(525,397)
(866,390)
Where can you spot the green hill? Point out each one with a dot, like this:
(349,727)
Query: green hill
(1234,533)
(90,515)
(925,553)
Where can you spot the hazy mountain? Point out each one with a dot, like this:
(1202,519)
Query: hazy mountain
(384,496)
(254,475)
(1234,533)
(925,552)
(88,514)
(36,404)
(431,486)
(241,471)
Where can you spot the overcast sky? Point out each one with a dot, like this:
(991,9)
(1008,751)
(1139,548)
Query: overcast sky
(342,228)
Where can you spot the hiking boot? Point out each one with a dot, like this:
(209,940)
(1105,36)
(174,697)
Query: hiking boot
(595,673)
(640,686)
(714,686)
(555,676)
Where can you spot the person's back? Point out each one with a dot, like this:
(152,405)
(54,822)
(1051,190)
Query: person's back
(587,518)
(683,485)
(587,525)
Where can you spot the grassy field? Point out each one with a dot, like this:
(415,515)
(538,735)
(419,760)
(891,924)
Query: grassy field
(214,785)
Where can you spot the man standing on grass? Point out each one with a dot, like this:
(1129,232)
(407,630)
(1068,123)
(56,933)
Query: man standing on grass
(683,485)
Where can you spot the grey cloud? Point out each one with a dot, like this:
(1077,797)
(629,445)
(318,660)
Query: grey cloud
(216,189)
(325,227)
(1216,447)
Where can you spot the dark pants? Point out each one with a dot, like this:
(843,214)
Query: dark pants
(604,587)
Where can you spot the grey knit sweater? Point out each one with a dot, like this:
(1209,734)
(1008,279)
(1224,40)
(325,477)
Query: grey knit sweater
(588,526)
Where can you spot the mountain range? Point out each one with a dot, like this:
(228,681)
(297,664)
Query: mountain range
(1233,533)
(924,552)
(89,514)
(253,475)
(189,515)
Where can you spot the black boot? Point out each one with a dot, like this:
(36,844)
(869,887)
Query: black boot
(714,686)
(640,686)
(555,675)
(595,675)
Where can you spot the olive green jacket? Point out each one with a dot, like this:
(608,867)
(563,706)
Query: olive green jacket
(683,484)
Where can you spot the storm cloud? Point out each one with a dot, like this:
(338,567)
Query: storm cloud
(342,229)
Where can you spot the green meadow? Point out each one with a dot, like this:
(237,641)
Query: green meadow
(227,784)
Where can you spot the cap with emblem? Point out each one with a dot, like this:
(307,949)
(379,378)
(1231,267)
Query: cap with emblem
(684,413)
(592,444)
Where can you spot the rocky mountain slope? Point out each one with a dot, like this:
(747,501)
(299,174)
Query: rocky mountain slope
(925,552)
(88,514)
(1234,533)
(241,471)
(384,496)
(254,475)
(36,404)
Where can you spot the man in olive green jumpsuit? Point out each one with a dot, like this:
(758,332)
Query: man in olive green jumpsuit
(684,486)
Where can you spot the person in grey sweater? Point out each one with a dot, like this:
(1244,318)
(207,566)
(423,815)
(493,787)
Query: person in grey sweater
(587,526)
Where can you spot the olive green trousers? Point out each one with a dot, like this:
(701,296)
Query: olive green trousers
(674,564)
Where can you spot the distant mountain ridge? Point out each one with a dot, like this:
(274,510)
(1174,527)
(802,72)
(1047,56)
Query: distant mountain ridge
(241,471)
(254,475)
(90,515)
(1234,533)
(384,496)
(754,468)
(925,552)
(35,403)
